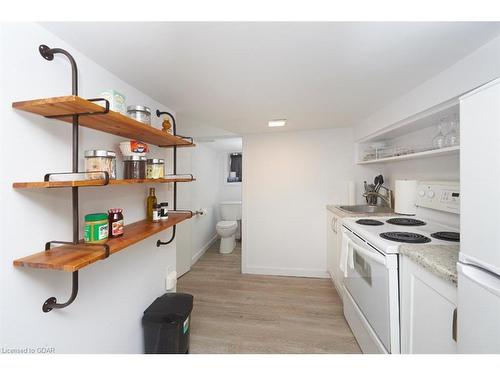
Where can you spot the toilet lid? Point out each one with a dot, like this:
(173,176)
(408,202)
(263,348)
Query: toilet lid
(226,224)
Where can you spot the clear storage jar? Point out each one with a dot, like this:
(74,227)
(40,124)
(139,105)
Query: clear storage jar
(155,168)
(100,161)
(134,167)
(139,113)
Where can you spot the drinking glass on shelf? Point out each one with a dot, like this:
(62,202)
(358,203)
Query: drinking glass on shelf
(452,138)
(438,141)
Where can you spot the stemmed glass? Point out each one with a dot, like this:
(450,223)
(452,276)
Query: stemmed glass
(439,139)
(452,138)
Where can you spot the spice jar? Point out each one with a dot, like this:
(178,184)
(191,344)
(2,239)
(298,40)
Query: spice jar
(96,228)
(139,113)
(155,168)
(115,222)
(156,213)
(100,161)
(163,210)
(134,167)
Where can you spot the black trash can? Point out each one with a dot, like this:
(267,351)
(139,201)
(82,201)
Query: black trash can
(166,324)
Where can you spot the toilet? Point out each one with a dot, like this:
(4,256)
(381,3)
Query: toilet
(227,227)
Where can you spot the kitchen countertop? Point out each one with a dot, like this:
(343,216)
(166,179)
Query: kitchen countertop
(441,260)
(341,213)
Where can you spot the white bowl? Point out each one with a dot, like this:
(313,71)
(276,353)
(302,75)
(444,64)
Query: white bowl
(126,149)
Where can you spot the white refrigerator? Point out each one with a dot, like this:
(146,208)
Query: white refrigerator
(478,311)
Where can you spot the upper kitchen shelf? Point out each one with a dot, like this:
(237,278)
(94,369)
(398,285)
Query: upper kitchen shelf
(413,137)
(71,258)
(63,107)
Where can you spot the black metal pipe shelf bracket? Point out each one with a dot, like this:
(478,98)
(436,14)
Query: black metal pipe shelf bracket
(48,54)
(174,128)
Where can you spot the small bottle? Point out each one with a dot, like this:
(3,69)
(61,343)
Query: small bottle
(156,213)
(164,211)
(150,202)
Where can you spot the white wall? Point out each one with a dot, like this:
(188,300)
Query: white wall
(288,179)
(106,316)
(204,195)
(481,66)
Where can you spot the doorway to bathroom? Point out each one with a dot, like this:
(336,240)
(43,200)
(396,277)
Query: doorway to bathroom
(217,164)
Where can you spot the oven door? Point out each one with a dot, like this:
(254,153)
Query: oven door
(370,277)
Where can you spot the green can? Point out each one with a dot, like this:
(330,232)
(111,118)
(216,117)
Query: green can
(96,228)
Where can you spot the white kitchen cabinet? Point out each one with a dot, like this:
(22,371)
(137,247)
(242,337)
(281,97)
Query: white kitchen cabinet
(428,311)
(333,245)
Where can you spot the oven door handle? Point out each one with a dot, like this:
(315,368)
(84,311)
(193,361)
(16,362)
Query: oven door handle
(376,257)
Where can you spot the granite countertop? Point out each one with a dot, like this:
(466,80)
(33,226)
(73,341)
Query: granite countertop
(441,260)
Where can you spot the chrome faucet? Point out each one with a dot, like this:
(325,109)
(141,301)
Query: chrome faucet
(387,198)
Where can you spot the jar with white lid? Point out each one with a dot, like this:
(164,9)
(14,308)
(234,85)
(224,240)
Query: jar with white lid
(155,168)
(100,161)
(139,113)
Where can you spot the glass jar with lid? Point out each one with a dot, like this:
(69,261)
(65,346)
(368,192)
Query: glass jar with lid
(100,161)
(155,168)
(134,167)
(139,113)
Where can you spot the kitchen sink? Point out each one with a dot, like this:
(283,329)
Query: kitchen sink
(365,208)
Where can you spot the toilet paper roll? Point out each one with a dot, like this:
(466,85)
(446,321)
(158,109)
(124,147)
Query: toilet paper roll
(405,196)
(351,193)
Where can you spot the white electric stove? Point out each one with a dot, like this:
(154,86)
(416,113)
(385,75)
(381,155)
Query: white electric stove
(369,261)
(386,234)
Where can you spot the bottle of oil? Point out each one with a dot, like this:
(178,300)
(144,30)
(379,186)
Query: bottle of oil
(150,203)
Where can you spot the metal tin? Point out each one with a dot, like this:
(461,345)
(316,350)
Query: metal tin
(140,108)
(139,113)
(156,161)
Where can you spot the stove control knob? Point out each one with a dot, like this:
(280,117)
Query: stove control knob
(430,194)
(421,193)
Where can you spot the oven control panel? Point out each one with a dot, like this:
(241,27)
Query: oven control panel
(442,196)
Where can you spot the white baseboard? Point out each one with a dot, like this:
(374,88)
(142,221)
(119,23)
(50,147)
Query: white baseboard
(202,251)
(297,272)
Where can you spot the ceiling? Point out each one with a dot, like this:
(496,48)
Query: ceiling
(233,77)
(223,144)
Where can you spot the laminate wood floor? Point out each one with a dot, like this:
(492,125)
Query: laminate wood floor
(237,313)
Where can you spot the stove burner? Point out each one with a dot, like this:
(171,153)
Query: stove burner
(405,237)
(405,221)
(369,222)
(447,236)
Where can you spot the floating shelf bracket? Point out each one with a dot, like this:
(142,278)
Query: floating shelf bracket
(174,128)
(105,174)
(48,54)
(51,303)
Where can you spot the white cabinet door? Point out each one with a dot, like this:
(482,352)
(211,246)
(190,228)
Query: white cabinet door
(428,311)
(333,244)
(330,244)
(480,166)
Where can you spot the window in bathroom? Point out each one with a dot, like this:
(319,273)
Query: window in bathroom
(235,168)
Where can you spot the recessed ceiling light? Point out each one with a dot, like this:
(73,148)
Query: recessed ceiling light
(275,123)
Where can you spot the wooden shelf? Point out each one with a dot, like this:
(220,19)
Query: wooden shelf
(111,122)
(71,258)
(98,182)
(416,155)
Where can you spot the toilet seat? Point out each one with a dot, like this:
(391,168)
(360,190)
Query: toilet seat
(227,224)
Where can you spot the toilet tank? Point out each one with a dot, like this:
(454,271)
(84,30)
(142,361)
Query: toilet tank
(230,210)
